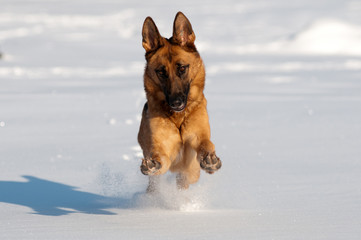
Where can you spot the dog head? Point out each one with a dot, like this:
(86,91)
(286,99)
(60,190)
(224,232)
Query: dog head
(174,72)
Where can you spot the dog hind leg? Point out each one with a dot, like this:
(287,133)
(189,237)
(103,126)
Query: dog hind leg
(189,169)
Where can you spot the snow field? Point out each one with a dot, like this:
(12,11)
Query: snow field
(283,90)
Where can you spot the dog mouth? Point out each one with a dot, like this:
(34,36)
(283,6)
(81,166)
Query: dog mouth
(177,103)
(178,108)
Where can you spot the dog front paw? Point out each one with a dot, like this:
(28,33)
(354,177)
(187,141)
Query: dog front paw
(210,162)
(150,166)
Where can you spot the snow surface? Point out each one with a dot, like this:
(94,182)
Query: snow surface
(284,99)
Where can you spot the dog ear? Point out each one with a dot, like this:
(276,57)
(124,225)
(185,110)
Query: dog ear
(182,31)
(151,36)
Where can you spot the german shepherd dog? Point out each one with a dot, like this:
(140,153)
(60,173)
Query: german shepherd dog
(174,131)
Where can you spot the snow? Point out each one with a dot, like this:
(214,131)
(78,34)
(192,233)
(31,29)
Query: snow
(284,99)
(322,37)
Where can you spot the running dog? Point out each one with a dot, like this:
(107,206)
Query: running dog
(174,131)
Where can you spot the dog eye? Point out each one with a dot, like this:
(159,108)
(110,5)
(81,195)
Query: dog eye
(161,72)
(182,69)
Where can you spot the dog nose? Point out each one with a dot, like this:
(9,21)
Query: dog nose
(177,102)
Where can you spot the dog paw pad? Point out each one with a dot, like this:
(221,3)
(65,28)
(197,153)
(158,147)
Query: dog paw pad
(210,163)
(150,166)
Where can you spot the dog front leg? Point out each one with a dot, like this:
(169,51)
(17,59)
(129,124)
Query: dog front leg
(207,157)
(197,132)
(165,144)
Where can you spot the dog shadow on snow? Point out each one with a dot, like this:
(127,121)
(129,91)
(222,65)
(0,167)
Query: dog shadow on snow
(56,199)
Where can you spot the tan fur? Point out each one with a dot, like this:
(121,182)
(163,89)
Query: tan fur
(178,141)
